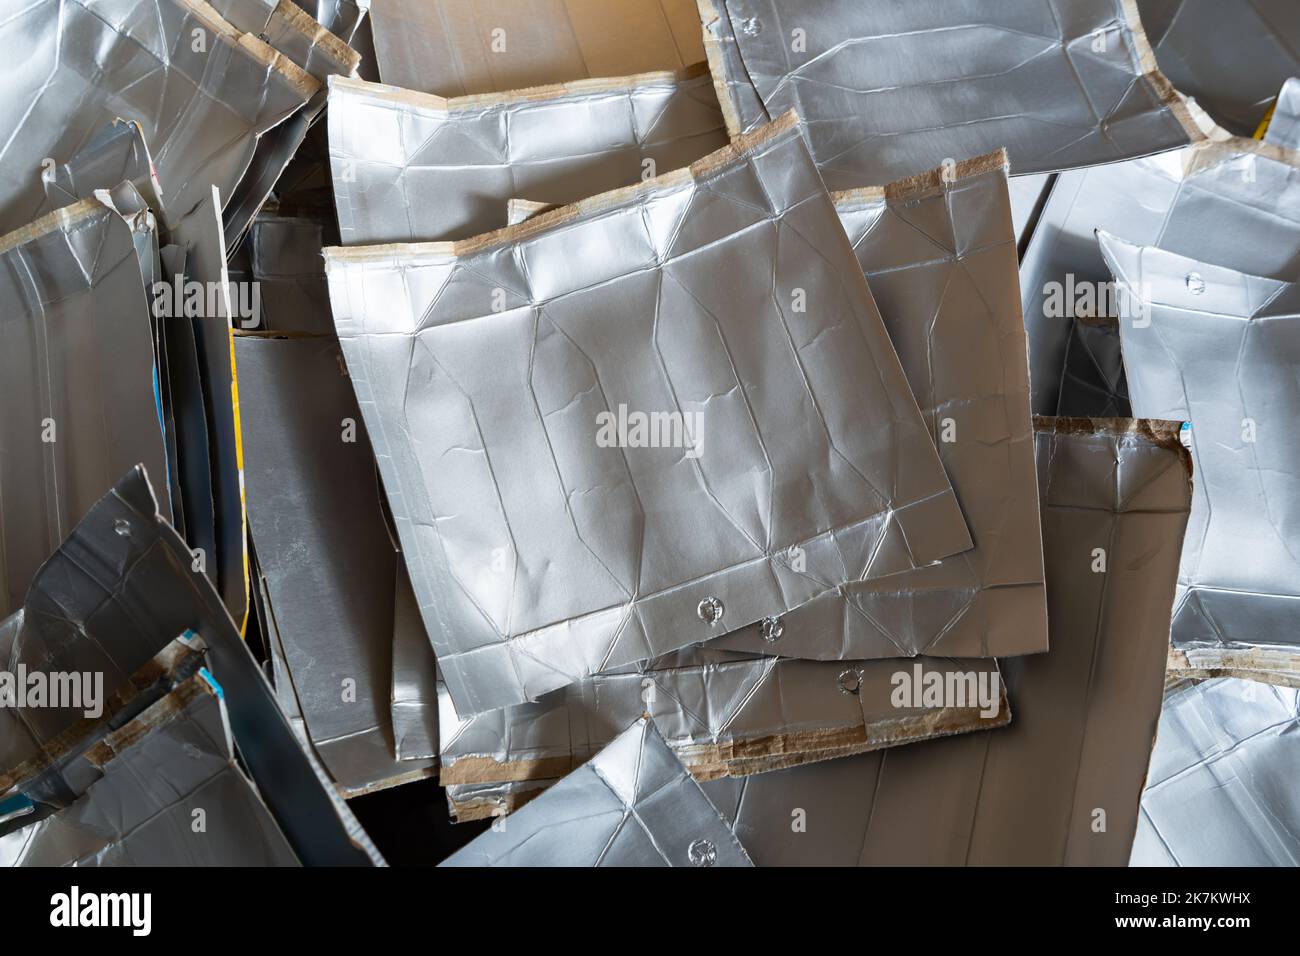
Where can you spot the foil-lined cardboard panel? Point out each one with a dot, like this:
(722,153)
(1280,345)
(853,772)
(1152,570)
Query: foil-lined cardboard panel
(324,550)
(1061,785)
(88,64)
(1218,348)
(170,768)
(409,167)
(1284,125)
(286,265)
(633,804)
(939,253)
(548,534)
(77,358)
(1230,57)
(467,802)
(118,591)
(726,714)
(889,89)
(1227,200)
(1221,791)
(459,47)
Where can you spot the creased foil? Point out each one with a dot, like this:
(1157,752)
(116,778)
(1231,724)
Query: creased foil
(548,536)
(723,715)
(1221,791)
(457,47)
(939,253)
(1230,57)
(409,167)
(1227,200)
(1061,785)
(1219,348)
(155,779)
(115,593)
(80,376)
(324,550)
(633,804)
(888,89)
(90,63)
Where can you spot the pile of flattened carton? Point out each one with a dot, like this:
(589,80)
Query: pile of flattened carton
(695,432)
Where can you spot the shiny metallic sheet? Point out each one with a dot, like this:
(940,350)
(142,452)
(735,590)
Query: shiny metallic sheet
(202,110)
(1219,348)
(151,778)
(1222,787)
(538,556)
(939,253)
(633,804)
(1227,200)
(1085,712)
(74,310)
(889,89)
(410,167)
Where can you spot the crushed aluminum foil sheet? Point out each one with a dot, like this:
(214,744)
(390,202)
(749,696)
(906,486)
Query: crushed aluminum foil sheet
(410,167)
(1230,57)
(459,47)
(75,310)
(628,550)
(114,594)
(324,551)
(1221,791)
(633,804)
(117,153)
(723,714)
(1227,200)
(1085,712)
(1218,348)
(888,89)
(939,253)
(152,779)
(343,18)
(127,61)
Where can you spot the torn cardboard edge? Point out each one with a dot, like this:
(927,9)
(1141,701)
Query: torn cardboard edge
(1266,665)
(932,182)
(261,52)
(739,148)
(317,36)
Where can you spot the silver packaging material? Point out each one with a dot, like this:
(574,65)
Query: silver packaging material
(1028,196)
(725,714)
(548,534)
(343,18)
(1061,785)
(633,804)
(77,359)
(1231,57)
(1284,125)
(1218,348)
(467,802)
(128,60)
(324,551)
(888,89)
(1227,200)
(120,589)
(460,47)
(409,167)
(939,253)
(155,777)
(117,153)
(1221,791)
(414,699)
